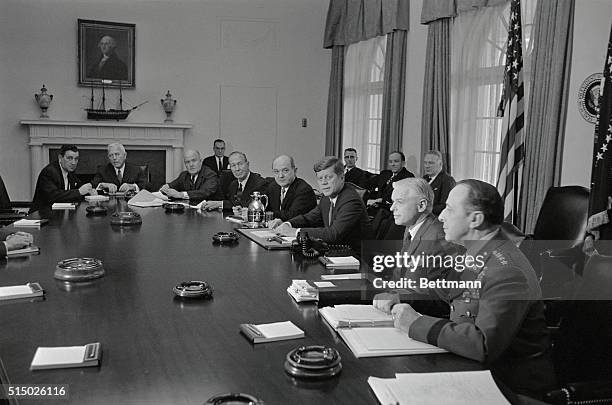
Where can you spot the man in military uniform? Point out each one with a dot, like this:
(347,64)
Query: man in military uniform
(499,323)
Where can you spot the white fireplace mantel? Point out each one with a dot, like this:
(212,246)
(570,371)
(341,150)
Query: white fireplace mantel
(46,134)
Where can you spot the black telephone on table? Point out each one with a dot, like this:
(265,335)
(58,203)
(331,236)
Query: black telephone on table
(315,247)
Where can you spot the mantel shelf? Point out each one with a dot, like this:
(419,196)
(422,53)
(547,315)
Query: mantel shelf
(119,124)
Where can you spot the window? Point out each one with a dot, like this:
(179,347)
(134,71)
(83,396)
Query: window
(363,96)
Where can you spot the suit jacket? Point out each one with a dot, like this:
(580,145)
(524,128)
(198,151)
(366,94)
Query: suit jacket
(384,182)
(211,161)
(358,177)
(442,185)
(5,201)
(113,68)
(50,188)
(254,183)
(205,185)
(299,199)
(501,323)
(429,240)
(350,223)
(132,174)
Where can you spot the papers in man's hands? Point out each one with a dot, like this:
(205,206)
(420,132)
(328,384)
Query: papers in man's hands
(96,198)
(66,357)
(385,341)
(63,206)
(351,316)
(302,291)
(23,252)
(463,387)
(29,290)
(271,332)
(30,223)
(145,198)
(339,262)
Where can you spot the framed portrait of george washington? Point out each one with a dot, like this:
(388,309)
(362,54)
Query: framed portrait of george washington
(106,53)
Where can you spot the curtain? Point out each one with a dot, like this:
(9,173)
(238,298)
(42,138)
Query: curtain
(352,21)
(393,94)
(363,99)
(333,127)
(477,63)
(545,124)
(436,90)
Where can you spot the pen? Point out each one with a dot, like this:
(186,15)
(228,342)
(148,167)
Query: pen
(254,330)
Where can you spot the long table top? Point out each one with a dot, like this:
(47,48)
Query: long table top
(160,350)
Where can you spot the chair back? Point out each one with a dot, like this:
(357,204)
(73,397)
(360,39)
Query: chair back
(5,201)
(362,192)
(145,170)
(564,214)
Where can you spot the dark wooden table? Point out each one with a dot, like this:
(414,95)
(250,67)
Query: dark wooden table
(159,350)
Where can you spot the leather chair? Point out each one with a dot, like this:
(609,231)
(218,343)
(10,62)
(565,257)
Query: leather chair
(8,210)
(555,247)
(363,192)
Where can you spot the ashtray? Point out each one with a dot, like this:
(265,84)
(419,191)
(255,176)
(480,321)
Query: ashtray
(79,269)
(234,398)
(314,362)
(173,207)
(193,289)
(96,210)
(126,218)
(225,237)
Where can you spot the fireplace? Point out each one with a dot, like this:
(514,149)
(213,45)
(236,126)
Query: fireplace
(140,140)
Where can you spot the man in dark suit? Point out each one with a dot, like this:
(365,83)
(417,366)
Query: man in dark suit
(218,161)
(498,321)
(12,240)
(288,195)
(57,181)
(109,66)
(384,181)
(440,181)
(353,174)
(119,174)
(240,189)
(198,182)
(340,217)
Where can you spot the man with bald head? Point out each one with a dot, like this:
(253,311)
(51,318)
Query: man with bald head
(119,175)
(198,182)
(109,66)
(288,195)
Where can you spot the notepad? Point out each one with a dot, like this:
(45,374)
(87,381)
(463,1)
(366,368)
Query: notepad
(347,276)
(351,316)
(63,206)
(302,291)
(385,341)
(271,332)
(338,262)
(29,290)
(23,252)
(454,388)
(30,223)
(97,198)
(66,357)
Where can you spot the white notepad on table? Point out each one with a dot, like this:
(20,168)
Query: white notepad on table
(66,357)
(30,223)
(453,388)
(63,206)
(271,332)
(29,290)
(386,341)
(349,316)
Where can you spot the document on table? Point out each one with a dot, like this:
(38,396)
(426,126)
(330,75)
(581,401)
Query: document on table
(145,198)
(349,316)
(454,388)
(271,332)
(66,357)
(28,290)
(385,341)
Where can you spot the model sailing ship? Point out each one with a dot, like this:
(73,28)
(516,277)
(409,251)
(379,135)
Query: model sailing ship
(101,113)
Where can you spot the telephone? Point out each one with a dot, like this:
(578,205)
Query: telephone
(315,247)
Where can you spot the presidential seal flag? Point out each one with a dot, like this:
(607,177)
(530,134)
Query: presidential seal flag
(599,225)
(511,108)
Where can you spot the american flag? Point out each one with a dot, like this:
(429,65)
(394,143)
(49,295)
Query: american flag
(599,225)
(511,108)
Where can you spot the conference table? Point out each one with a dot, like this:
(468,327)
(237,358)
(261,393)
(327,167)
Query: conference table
(159,349)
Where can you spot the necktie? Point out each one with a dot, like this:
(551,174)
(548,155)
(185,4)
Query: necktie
(219,165)
(66,183)
(240,187)
(331,209)
(119,176)
(283,193)
(193,179)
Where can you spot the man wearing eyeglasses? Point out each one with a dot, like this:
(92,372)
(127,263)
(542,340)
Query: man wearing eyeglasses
(340,217)
(288,195)
(57,181)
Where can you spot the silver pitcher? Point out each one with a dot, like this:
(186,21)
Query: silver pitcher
(256,213)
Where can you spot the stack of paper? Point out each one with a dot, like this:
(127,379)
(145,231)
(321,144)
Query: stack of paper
(29,290)
(339,262)
(464,387)
(346,276)
(30,223)
(96,198)
(66,357)
(271,332)
(22,252)
(145,198)
(302,291)
(387,341)
(63,206)
(350,316)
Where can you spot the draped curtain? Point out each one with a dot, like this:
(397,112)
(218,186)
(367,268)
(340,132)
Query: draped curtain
(545,124)
(333,130)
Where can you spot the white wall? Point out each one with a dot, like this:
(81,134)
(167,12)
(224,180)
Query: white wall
(178,48)
(591,33)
